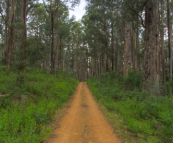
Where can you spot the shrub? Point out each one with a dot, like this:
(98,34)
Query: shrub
(26,110)
(133,80)
(150,116)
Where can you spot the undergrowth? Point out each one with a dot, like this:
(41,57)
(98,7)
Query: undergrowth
(27,109)
(148,118)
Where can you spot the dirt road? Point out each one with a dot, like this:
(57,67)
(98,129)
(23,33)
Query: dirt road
(84,122)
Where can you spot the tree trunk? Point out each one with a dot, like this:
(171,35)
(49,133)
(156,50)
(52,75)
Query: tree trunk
(150,70)
(112,44)
(52,39)
(60,55)
(9,32)
(6,33)
(162,46)
(106,44)
(137,48)
(119,61)
(127,48)
(169,25)
(23,35)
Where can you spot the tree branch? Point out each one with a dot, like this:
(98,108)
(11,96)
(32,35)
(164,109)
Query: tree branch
(142,21)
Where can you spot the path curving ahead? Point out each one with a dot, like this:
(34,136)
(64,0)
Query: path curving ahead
(84,122)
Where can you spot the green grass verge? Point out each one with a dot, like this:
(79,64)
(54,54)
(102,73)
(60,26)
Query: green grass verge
(28,109)
(135,116)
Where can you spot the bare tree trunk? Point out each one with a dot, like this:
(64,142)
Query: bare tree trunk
(162,46)
(60,55)
(6,32)
(106,44)
(137,46)
(112,44)
(106,50)
(127,48)
(169,25)
(133,39)
(119,61)
(23,34)
(9,32)
(150,70)
(52,39)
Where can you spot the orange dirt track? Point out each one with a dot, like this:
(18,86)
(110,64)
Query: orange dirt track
(84,122)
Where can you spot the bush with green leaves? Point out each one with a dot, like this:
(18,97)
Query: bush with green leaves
(26,110)
(133,80)
(148,117)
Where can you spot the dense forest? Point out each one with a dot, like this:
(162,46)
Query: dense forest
(113,35)
(122,48)
(132,35)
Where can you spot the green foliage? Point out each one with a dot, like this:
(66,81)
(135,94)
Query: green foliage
(133,80)
(7,81)
(149,118)
(35,53)
(26,111)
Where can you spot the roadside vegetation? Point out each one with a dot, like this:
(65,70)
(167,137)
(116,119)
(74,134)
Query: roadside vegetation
(135,115)
(27,108)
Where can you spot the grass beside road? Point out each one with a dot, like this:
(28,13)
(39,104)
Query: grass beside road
(27,109)
(135,116)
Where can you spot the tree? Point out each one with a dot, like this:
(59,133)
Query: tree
(151,75)
(9,31)
(52,9)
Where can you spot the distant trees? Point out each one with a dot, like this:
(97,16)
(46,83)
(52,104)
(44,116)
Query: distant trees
(34,33)
(116,35)
(132,35)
